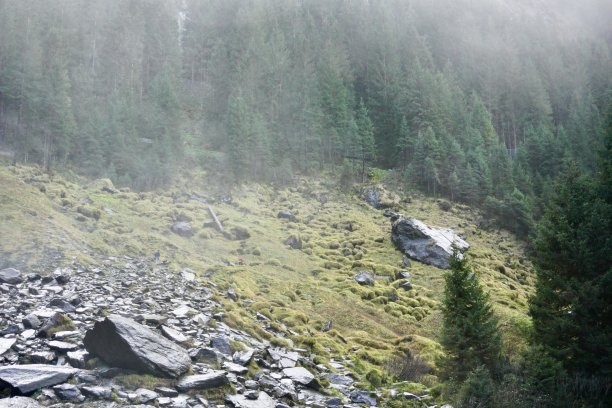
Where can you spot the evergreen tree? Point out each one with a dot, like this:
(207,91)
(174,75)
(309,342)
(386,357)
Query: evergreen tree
(470,333)
(572,306)
(366,148)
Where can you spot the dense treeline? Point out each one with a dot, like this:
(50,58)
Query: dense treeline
(478,101)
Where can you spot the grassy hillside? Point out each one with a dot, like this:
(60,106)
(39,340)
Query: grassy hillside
(49,220)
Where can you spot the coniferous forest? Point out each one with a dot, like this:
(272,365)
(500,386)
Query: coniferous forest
(503,105)
(481,102)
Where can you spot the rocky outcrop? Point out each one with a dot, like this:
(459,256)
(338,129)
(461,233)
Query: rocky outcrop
(378,197)
(432,246)
(31,377)
(122,342)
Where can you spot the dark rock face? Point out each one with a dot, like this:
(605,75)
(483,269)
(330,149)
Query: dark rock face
(11,276)
(294,242)
(432,246)
(124,343)
(31,377)
(182,228)
(364,278)
(206,381)
(288,215)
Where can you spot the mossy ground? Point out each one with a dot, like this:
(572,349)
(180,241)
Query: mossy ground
(299,290)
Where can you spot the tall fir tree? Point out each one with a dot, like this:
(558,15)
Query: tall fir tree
(470,332)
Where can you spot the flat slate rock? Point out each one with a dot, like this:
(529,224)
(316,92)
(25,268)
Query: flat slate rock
(300,375)
(122,342)
(6,344)
(11,276)
(430,245)
(31,377)
(211,379)
(242,401)
(19,402)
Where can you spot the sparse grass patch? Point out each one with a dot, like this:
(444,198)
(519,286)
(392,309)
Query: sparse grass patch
(135,381)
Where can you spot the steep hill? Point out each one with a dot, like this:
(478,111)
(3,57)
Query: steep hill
(49,221)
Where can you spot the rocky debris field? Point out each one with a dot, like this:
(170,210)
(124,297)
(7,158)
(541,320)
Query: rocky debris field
(131,332)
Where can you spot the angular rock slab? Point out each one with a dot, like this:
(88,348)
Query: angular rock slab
(302,376)
(122,342)
(212,379)
(432,246)
(31,377)
(11,276)
(6,344)
(241,401)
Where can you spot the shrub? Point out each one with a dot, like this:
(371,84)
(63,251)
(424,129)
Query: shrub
(408,367)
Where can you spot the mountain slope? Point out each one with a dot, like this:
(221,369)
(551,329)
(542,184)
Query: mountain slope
(49,221)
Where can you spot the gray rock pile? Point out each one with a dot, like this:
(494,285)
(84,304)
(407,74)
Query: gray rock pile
(68,337)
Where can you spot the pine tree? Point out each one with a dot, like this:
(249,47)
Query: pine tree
(470,333)
(366,148)
(572,306)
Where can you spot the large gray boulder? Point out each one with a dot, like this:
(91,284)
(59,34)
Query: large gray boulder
(122,342)
(11,276)
(31,377)
(182,228)
(430,245)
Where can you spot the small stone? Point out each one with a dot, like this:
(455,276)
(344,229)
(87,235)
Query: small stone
(235,368)
(6,344)
(68,392)
(10,276)
(212,379)
(42,357)
(174,335)
(78,358)
(364,278)
(62,346)
(167,392)
(251,394)
(96,391)
(144,395)
(31,322)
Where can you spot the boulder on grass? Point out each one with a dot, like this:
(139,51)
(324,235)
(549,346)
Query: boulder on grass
(430,245)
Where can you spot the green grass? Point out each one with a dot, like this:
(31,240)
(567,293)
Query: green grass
(299,290)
